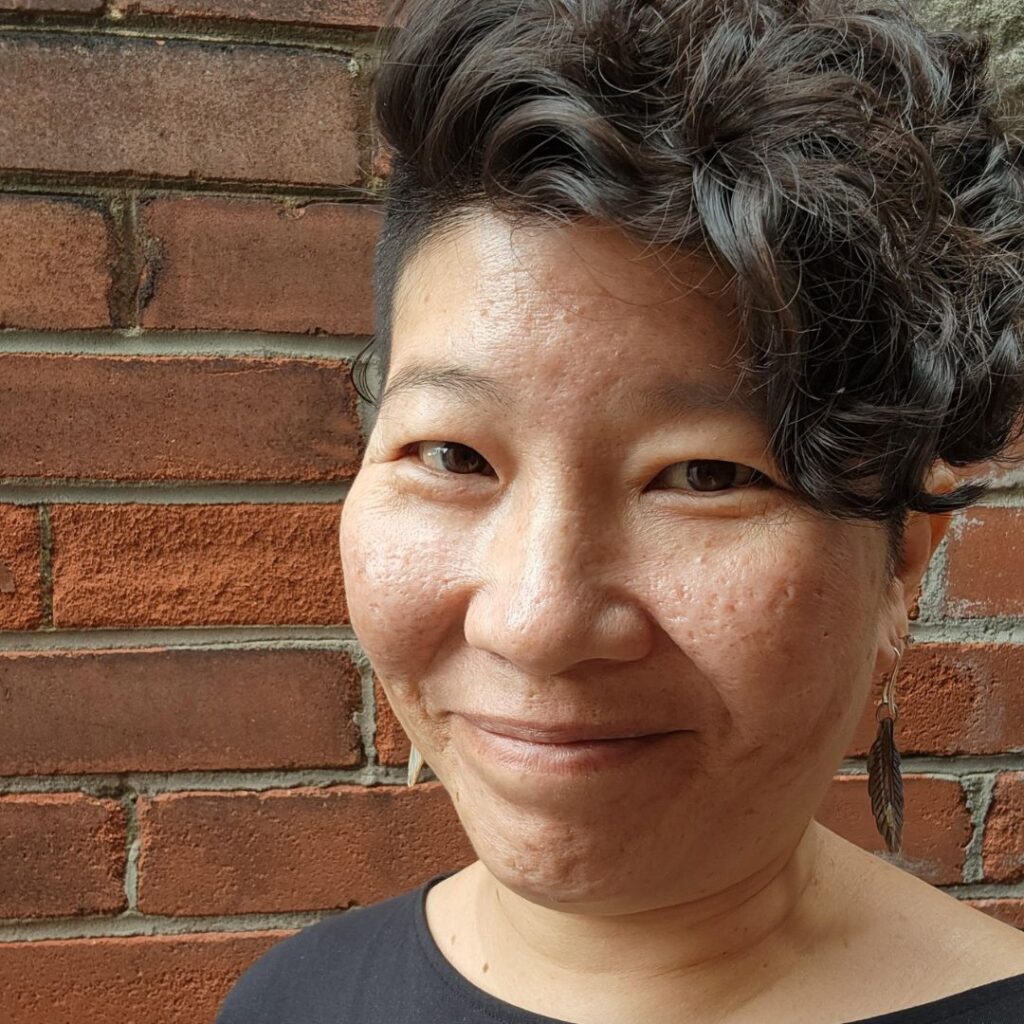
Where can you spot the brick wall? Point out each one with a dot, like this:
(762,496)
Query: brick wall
(195,759)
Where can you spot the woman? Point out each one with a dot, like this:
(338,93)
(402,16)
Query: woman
(684,310)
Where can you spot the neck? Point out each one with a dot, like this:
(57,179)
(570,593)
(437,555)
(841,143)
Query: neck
(703,957)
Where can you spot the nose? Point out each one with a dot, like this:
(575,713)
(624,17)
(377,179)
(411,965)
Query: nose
(553,594)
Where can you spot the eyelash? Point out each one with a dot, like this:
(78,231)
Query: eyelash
(756,478)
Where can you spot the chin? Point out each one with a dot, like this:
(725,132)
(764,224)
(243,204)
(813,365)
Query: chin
(536,862)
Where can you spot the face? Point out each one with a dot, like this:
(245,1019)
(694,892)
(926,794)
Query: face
(567,513)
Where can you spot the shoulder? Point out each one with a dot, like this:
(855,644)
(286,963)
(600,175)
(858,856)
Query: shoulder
(920,945)
(963,945)
(307,977)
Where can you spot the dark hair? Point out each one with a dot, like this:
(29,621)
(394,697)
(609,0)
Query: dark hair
(850,168)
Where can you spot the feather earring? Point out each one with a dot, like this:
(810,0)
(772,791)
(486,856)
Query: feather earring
(885,781)
(415,766)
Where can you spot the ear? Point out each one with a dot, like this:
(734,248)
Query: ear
(921,536)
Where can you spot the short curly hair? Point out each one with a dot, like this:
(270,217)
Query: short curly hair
(851,170)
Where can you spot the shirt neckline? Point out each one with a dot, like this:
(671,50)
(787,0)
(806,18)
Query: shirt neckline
(508,1013)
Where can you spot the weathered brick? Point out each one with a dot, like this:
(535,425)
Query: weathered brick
(986,563)
(1009,911)
(180,565)
(61,854)
(342,13)
(55,263)
(301,849)
(177,710)
(155,418)
(1003,852)
(390,740)
(70,6)
(936,830)
(116,105)
(165,979)
(239,264)
(953,699)
(21,594)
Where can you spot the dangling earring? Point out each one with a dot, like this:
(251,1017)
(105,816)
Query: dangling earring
(415,766)
(885,783)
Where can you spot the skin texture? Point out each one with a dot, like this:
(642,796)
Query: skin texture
(575,575)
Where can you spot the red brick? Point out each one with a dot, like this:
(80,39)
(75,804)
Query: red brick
(953,699)
(390,740)
(55,263)
(1003,853)
(161,979)
(156,418)
(342,13)
(986,563)
(186,565)
(239,264)
(61,854)
(21,595)
(1009,911)
(936,830)
(299,849)
(177,710)
(116,105)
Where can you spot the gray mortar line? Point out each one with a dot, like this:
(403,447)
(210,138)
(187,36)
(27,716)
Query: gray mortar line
(990,891)
(956,766)
(135,342)
(325,638)
(46,565)
(134,924)
(126,269)
(112,784)
(17,491)
(357,46)
(100,185)
(132,842)
(978,789)
(366,716)
(994,630)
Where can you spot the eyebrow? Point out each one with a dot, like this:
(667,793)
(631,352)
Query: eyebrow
(458,381)
(683,396)
(679,397)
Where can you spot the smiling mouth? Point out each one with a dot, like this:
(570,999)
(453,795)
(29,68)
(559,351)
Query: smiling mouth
(560,735)
(571,757)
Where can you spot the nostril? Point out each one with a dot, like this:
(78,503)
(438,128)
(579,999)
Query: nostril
(550,636)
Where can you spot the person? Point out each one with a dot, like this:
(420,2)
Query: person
(690,317)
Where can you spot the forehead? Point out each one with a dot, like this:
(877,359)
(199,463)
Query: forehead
(580,300)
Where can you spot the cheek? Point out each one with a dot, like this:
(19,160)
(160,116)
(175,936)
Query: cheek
(401,572)
(781,634)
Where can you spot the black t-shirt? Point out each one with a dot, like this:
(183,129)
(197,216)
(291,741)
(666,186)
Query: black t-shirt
(380,965)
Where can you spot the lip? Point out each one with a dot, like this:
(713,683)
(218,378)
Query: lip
(557,734)
(581,757)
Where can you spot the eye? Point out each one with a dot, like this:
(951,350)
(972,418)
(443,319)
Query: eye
(709,475)
(452,457)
